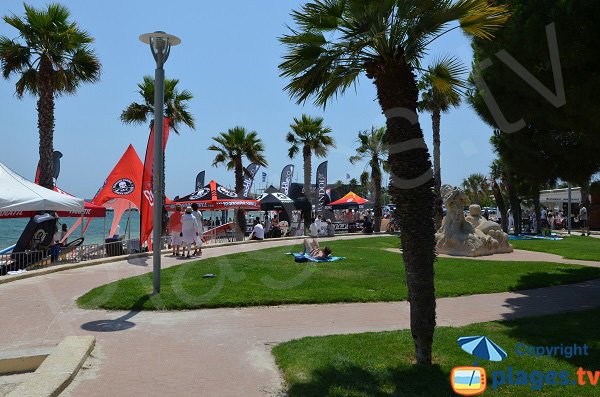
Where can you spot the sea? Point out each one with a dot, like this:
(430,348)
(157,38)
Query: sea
(97,231)
(11,229)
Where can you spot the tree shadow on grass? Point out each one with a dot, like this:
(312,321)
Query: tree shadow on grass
(353,381)
(565,314)
(117,324)
(566,276)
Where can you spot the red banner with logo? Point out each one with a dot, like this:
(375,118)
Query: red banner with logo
(147,198)
(124,181)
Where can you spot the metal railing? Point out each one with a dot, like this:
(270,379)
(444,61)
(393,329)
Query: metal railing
(30,260)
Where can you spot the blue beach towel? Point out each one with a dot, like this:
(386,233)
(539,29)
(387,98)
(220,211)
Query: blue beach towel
(305,258)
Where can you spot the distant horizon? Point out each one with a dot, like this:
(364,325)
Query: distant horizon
(229,60)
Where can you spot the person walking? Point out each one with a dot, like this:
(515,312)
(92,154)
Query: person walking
(583,221)
(198,239)
(511,220)
(189,230)
(544,217)
(175,229)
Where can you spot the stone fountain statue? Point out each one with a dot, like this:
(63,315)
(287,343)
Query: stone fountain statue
(470,236)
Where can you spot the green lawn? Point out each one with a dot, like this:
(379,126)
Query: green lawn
(573,247)
(268,277)
(380,364)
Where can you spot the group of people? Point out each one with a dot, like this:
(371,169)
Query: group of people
(186,230)
(558,220)
(553,220)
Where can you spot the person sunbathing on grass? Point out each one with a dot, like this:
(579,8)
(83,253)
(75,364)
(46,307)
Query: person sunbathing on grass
(314,251)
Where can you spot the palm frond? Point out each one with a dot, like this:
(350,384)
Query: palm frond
(443,84)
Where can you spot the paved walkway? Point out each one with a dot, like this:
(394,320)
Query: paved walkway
(521,256)
(220,352)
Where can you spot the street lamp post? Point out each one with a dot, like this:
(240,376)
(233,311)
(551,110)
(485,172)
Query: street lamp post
(160,45)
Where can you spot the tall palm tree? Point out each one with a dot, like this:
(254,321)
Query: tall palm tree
(333,43)
(372,148)
(176,109)
(232,146)
(440,87)
(498,176)
(309,134)
(477,188)
(51,57)
(176,105)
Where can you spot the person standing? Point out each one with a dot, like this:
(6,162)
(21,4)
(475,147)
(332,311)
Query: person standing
(189,230)
(544,217)
(367,225)
(175,229)
(511,219)
(63,234)
(319,221)
(583,221)
(198,240)
(550,220)
(330,228)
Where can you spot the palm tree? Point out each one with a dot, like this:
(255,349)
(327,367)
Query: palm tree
(232,146)
(176,105)
(176,109)
(372,147)
(309,134)
(51,57)
(335,41)
(498,176)
(441,90)
(477,188)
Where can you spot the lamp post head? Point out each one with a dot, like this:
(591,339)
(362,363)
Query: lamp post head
(160,45)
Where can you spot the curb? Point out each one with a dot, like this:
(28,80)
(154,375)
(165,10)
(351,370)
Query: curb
(58,369)
(22,361)
(58,268)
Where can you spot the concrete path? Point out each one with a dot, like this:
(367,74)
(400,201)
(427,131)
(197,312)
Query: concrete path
(520,256)
(220,352)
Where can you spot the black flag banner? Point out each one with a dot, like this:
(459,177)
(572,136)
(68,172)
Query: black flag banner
(252,170)
(321,186)
(286,179)
(199,181)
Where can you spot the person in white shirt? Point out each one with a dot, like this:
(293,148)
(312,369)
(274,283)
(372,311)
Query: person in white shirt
(544,217)
(583,218)
(189,230)
(314,229)
(198,240)
(258,232)
(318,222)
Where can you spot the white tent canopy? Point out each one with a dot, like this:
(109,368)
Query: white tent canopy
(19,194)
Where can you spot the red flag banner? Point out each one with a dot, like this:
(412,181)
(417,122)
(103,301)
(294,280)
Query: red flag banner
(147,198)
(124,181)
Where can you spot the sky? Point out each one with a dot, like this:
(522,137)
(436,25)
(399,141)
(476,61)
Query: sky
(228,59)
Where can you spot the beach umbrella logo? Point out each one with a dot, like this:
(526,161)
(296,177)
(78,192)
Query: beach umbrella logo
(482,347)
(472,380)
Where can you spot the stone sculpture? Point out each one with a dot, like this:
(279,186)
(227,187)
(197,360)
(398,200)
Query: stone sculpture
(471,236)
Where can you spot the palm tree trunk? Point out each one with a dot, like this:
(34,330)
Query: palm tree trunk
(501,206)
(585,192)
(307,172)
(515,207)
(437,174)
(398,94)
(45,108)
(240,215)
(376,177)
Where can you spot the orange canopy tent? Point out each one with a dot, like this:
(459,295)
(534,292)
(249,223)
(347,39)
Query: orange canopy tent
(350,200)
